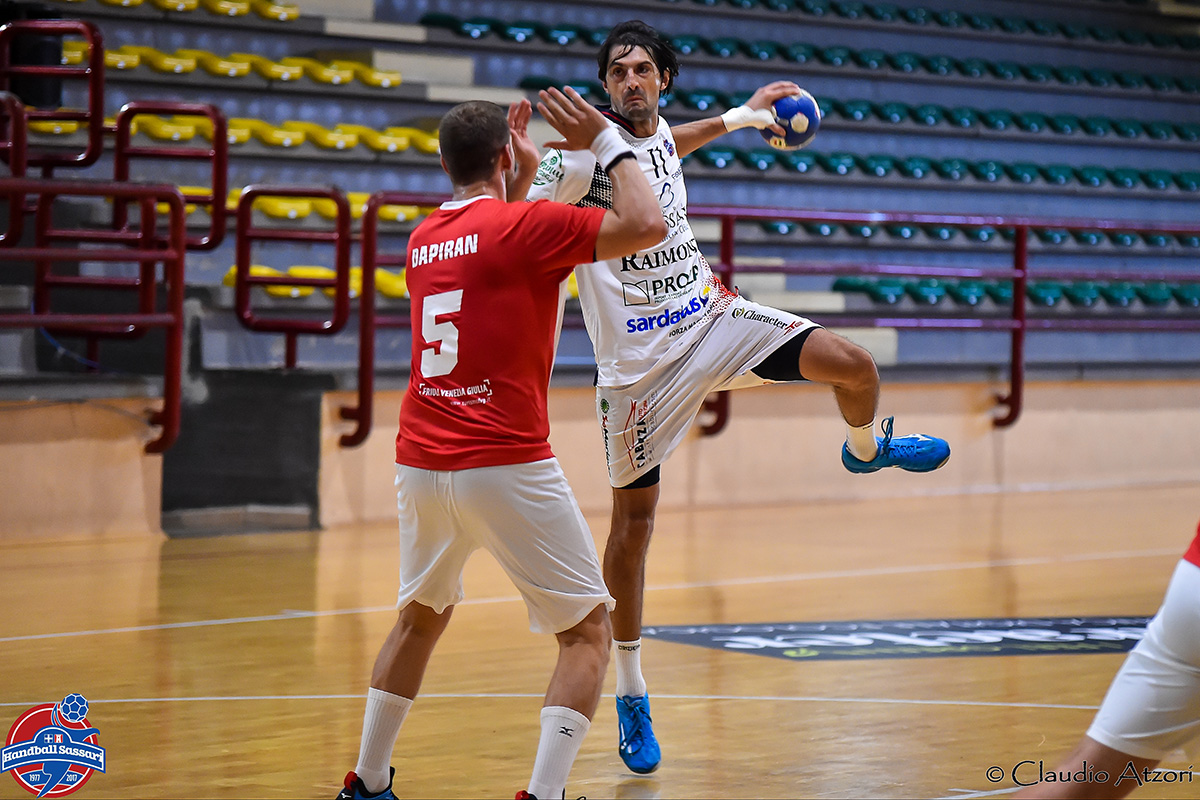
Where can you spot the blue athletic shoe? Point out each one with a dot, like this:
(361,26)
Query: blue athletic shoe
(636,742)
(914,453)
(354,789)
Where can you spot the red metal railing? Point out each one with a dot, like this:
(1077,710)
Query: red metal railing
(1017,322)
(124,151)
(91,71)
(14,150)
(52,245)
(248,233)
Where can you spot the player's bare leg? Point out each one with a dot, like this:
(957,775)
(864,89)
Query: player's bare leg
(625,575)
(1090,758)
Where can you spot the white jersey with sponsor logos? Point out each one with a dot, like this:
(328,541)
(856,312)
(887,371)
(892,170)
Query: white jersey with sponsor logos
(652,305)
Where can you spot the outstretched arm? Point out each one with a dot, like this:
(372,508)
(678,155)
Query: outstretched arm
(525,152)
(691,136)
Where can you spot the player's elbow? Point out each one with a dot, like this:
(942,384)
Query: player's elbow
(653,230)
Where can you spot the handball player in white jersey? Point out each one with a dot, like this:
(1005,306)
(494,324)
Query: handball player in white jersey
(666,333)
(473,466)
(1152,707)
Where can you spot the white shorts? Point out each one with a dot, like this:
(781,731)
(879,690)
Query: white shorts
(1153,705)
(524,514)
(642,424)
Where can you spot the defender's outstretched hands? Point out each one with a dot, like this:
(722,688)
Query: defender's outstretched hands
(571,116)
(525,151)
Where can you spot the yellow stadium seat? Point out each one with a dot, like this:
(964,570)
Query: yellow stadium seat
(365,73)
(176,5)
(166,130)
(391,284)
(572,286)
(160,61)
(213,64)
(399,213)
(227,8)
(114,60)
(57,127)
(376,140)
(121,3)
(323,137)
(110,124)
(73,53)
(321,73)
(269,69)
(259,271)
(313,272)
(280,12)
(424,141)
(267,133)
(328,209)
(284,207)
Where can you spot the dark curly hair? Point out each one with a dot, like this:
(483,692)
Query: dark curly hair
(635,33)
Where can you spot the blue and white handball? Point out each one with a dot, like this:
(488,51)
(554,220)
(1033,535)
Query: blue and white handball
(74,707)
(797,114)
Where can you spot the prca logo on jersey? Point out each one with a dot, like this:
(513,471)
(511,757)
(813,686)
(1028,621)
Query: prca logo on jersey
(51,749)
(656,290)
(669,317)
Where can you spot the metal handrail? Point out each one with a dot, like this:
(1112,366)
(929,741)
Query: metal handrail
(16,152)
(149,250)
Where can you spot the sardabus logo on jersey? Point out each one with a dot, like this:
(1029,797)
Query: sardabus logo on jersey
(921,638)
(51,750)
(669,317)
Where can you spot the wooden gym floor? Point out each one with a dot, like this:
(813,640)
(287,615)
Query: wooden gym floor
(235,666)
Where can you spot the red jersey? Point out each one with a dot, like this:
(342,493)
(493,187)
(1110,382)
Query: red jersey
(1193,552)
(484,280)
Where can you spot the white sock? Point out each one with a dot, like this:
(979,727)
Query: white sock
(861,441)
(630,682)
(563,730)
(381,725)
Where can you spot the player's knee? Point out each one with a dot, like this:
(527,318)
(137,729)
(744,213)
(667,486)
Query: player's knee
(593,632)
(859,371)
(421,621)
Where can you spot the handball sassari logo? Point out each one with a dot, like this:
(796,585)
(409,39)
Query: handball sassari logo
(51,750)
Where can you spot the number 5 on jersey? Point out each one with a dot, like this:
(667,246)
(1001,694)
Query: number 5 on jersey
(442,357)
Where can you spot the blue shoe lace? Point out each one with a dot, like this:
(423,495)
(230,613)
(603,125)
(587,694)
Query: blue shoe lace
(636,743)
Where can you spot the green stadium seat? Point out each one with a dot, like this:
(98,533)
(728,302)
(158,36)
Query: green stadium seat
(739,98)
(1097,126)
(836,56)
(836,163)
(1159,131)
(982,22)
(870,58)
(1125,177)
(686,45)
(1073,30)
(861,230)
(564,34)
(800,53)
(941,233)
(1052,236)
(1046,294)
(741,3)
(963,117)
(989,170)
(1103,33)
(1015,25)
(1089,238)
(722,47)
(857,110)
(758,158)
(925,292)
(884,12)
(718,157)
(1119,294)
(892,112)
(1155,294)
(827,105)
(850,283)
(850,9)
(1005,70)
(1188,84)
(939,65)
(796,161)
(479,27)
(1057,174)
(1021,172)
(761,49)
(702,99)
(898,230)
(1188,181)
(823,230)
(1066,123)
(915,167)
(1092,176)
(595,37)
(816,8)
(1038,73)
(917,15)
(1161,83)
(949,19)
(952,169)
(928,114)
(1122,238)
(1156,240)
(1133,36)
(1188,132)
(1187,294)
(998,119)
(879,166)
(1001,292)
(1082,294)
(1131,80)
(779,227)
(1100,78)
(521,31)
(973,67)
(1188,239)
(1032,121)
(981,235)
(1042,27)
(1158,179)
(967,292)
(887,291)
(1071,76)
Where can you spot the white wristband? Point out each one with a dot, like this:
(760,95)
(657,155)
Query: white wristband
(746,117)
(607,146)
